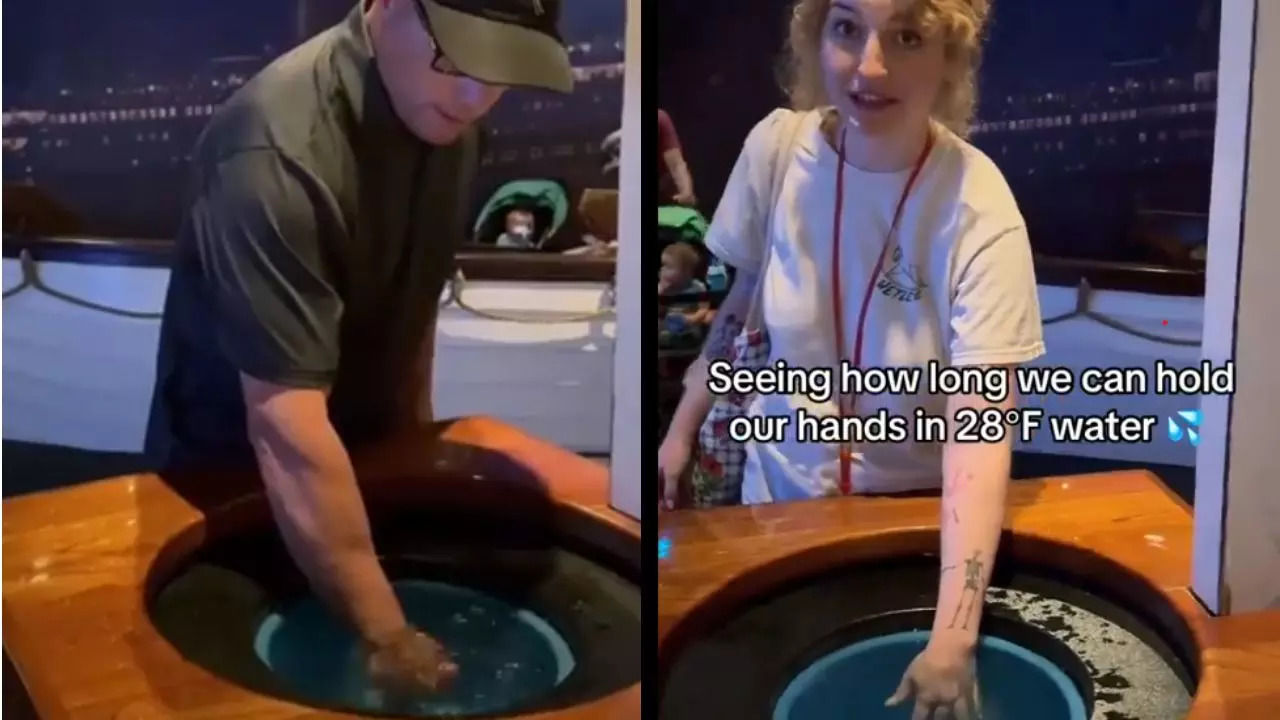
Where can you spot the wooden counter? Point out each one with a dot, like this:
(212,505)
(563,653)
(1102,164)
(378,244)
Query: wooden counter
(1124,528)
(76,562)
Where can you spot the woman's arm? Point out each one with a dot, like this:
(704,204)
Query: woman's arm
(975,487)
(995,322)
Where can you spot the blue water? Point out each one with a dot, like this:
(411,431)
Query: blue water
(507,656)
(854,682)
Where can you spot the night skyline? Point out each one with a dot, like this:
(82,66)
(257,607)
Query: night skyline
(56,41)
(112,140)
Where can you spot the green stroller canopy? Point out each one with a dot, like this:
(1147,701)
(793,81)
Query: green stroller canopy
(687,222)
(547,198)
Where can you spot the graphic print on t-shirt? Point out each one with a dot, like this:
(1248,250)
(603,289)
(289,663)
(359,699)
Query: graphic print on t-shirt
(901,280)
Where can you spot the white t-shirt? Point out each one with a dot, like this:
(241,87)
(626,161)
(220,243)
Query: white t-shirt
(958,288)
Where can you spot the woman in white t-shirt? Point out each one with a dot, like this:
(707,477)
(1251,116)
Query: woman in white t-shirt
(884,240)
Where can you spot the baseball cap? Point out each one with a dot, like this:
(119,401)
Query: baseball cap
(504,42)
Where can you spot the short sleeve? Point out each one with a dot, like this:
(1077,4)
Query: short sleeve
(995,313)
(256,224)
(737,231)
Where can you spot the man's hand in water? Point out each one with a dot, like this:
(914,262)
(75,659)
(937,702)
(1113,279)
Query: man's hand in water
(411,663)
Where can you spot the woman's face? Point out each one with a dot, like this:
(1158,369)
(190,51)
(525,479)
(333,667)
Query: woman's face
(881,70)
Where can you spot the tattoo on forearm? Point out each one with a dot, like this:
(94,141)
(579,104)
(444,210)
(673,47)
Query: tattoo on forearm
(970,595)
(724,331)
(955,516)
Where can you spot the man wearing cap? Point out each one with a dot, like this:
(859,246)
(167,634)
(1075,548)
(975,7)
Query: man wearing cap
(327,198)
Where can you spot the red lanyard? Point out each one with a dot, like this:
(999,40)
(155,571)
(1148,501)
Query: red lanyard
(837,298)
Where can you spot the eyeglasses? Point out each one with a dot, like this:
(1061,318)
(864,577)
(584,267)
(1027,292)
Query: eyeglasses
(439,62)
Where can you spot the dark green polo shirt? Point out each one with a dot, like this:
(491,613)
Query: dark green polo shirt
(318,237)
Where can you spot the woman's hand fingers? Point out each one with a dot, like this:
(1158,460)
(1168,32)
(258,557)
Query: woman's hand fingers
(965,708)
(923,710)
(902,693)
(970,707)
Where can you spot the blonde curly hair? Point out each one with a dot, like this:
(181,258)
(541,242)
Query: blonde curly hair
(961,22)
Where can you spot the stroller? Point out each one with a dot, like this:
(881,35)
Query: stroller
(680,342)
(677,223)
(547,200)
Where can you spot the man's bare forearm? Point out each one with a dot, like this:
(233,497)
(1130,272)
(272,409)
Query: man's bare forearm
(975,491)
(725,328)
(321,515)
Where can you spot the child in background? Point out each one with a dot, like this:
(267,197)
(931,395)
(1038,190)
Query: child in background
(519,230)
(680,262)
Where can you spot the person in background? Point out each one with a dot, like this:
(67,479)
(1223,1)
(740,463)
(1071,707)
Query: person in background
(518,232)
(325,206)
(884,220)
(677,278)
(677,275)
(675,184)
(611,148)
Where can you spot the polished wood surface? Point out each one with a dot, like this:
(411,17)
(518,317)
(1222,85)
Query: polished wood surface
(77,562)
(1124,527)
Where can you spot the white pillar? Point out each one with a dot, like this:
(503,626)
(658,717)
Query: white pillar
(627,483)
(1236,565)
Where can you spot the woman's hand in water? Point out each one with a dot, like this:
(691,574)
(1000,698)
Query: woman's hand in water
(411,663)
(673,459)
(944,685)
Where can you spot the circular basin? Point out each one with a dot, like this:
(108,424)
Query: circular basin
(509,655)
(1015,682)
(536,620)
(1075,647)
